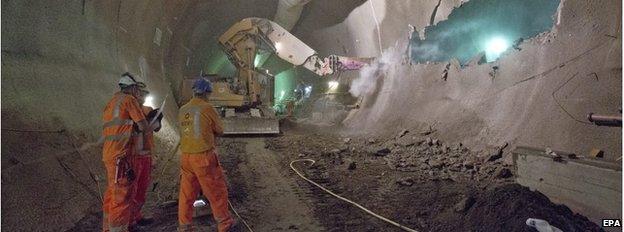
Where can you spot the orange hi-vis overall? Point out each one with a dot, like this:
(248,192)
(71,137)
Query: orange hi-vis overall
(142,153)
(120,113)
(199,123)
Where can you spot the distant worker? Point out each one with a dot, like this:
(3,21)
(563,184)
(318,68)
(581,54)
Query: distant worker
(200,168)
(143,161)
(290,108)
(120,113)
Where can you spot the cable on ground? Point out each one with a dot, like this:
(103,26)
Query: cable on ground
(239,216)
(345,199)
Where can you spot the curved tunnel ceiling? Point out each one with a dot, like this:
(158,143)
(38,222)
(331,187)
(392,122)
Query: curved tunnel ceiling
(205,21)
(61,61)
(60,58)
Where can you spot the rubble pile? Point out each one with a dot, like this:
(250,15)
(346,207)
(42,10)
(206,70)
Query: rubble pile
(426,157)
(446,185)
(440,160)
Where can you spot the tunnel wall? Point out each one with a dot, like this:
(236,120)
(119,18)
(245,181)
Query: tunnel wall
(516,104)
(61,61)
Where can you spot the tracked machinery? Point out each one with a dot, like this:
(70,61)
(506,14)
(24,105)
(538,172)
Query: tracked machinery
(245,100)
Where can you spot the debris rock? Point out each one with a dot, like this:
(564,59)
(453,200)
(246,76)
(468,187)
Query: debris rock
(435,142)
(495,156)
(371,141)
(556,157)
(427,132)
(504,173)
(403,133)
(465,204)
(352,166)
(435,163)
(301,155)
(407,143)
(383,151)
(428,141)
(405,182)
(347,140)
(468,165)
(455,168)
(498,154)
(596,153)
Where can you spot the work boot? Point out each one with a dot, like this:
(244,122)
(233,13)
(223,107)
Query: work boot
(186,228)
(134,228)
(145,221)
(236,227)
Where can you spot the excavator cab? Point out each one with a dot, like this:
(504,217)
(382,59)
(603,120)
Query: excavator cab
(239,116)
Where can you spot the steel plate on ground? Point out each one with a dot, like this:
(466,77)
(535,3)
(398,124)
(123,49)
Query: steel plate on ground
(238,126)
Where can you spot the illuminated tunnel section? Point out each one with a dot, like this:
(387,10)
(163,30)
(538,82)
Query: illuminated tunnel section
(284,74)
(219,64)
(483,26)
(285,83)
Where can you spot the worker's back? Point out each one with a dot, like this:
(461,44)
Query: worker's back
(119,114)
(199,123)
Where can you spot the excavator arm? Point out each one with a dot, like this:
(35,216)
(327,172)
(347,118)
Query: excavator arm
(243,40)
(245,112)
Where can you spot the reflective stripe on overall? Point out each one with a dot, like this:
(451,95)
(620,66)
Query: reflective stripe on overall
(196,111)
(192,137)
(114,219)
(116,121)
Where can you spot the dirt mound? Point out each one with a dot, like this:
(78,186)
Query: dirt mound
(418,181)
(509,207)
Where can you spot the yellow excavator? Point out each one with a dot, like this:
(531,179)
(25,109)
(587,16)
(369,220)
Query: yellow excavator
(245,100)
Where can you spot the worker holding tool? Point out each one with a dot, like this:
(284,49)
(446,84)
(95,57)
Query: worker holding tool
(143,161)
(120,113)
(200,168)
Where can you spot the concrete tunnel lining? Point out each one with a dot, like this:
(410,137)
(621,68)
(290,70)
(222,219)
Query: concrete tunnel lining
(80,48)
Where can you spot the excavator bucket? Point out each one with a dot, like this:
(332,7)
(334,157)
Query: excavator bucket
(253,125)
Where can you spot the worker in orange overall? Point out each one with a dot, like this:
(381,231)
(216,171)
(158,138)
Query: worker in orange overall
(120,113)
(200,168)
(143,161)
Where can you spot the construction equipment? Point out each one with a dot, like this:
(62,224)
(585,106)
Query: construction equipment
(245,99)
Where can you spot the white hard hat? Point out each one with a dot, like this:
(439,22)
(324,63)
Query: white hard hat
(128,80)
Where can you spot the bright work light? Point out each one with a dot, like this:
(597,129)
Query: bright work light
(495,47)
(149,101)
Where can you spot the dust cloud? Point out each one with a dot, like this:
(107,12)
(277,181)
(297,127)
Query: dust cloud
(366,83)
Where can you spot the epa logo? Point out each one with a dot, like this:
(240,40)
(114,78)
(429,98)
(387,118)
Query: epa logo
(611,223)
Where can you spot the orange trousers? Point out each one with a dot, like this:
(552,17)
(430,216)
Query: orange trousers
(203,171)
(143,171)
(117,207)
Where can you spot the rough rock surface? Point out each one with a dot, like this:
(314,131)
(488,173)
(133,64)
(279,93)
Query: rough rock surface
(422,186)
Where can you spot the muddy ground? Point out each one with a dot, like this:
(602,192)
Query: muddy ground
(412,178)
